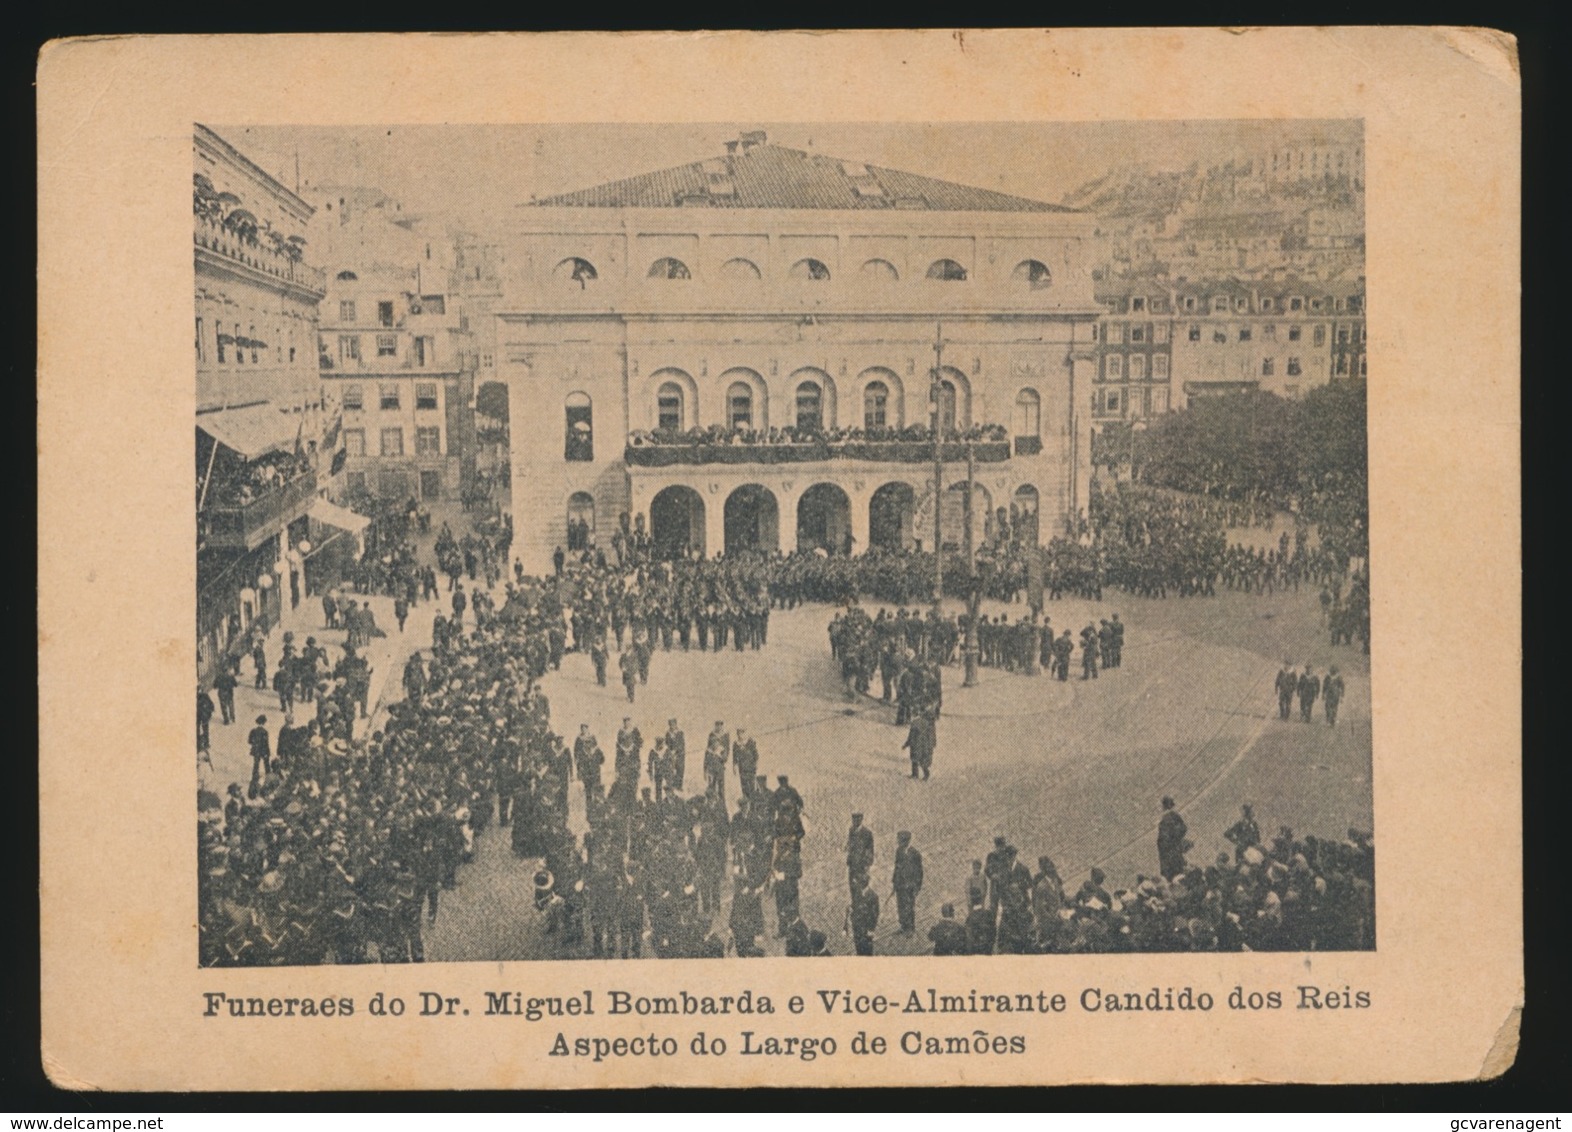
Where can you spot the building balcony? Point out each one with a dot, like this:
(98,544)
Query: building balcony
(221,242)
(645,451)
(245,526)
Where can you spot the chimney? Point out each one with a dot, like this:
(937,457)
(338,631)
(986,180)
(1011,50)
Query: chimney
(751,138)
(731,147)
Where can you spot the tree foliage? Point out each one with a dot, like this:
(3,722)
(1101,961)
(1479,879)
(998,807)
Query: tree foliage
(491,400)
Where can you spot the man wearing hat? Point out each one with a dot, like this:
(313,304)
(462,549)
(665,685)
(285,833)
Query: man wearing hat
(677,746)
(261,754)
(998,864)
(1309,689)
(1287,686)
(204,710)
(907,881)
(859,854)
(1332,694)
(224,684)
(745,757)
(717,753)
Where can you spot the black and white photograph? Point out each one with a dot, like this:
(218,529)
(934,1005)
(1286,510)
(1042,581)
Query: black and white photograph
(781,539)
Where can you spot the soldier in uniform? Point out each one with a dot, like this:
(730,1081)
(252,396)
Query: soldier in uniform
(1062,649)
(1309,689)
(979,930)
(629,664)
(747,918)
(920,742)
(224,684)
(1118,642)
(745,757)
(1287,686)
(997,866)
(1171,830)
(1332,694)
(907,881)
(1244,833)
(787,875)
(949,937)
(1089,651)
(588,758)
(599,656)
(204,710)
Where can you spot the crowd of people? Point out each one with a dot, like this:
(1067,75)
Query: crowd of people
(809,434)
(255,480)
(1286,894)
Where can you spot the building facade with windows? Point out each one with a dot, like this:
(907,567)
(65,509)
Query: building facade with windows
(1135,354)
(393,361)
(741,352)
(262,432)
(1281,337)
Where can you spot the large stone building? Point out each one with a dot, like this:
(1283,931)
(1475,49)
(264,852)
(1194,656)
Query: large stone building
(261,431)
(659,333)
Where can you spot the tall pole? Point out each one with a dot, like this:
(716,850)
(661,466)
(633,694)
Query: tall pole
(934,388)
(974,597)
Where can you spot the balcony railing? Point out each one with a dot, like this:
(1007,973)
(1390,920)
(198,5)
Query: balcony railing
(645,452)
(245,525)
(218,240)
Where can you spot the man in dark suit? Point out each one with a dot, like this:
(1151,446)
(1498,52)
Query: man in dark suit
(1309,689)
(205,709)
(745,757)
(949,937)
(1171,830)
(859,853)
(1332,694)
(677,745)
(1287,686)
(907,881)
(864,916)
(224,684)
(261,754)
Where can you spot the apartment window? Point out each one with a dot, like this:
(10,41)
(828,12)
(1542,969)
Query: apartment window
(428,441)
(1160,333)
(1195,332)
(1244,334)
(1361,365)
(353,398)
(1338,304)
(1361,333)
(1293,367)
(354,441)
(1268,367)
(387,396)
(1267,303)
(346,310)
(426,395)
(253,339)
(1116,332)
(1317,304)
(1189,302)
(875,405)
(1114,368)
(387,345)
(349,348)
(434,304)
(1137,367)
(1220,335)
(392,442)
(1138,334)
(1241,304)
(1095,333)
(1318,336)
(1295,333)
(1220,303)
(1159,367)
(1111,401)
(1269,332)
(1296,304)
(668,407)
(1138,304)
(1342,335)
(201,355)
(739,403)
(384,314)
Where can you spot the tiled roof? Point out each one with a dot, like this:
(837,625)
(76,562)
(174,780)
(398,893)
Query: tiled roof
(771,176)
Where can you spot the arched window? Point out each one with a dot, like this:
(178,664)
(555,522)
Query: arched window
(579,426)
(1033,273)
(810,406)
(946,270)
(347,277)
(880,271)
(1028,413)
(740,271)
(575,272)
(739,405)
(810,269)
(669,268)
(875,405)
(669,407)
(946,403)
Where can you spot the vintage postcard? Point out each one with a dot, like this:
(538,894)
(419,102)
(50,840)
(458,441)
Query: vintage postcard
(769,559)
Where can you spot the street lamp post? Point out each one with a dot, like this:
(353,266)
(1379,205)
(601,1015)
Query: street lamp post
(974,596)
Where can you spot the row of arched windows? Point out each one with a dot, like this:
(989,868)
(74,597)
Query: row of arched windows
(880,409)
(579,272)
